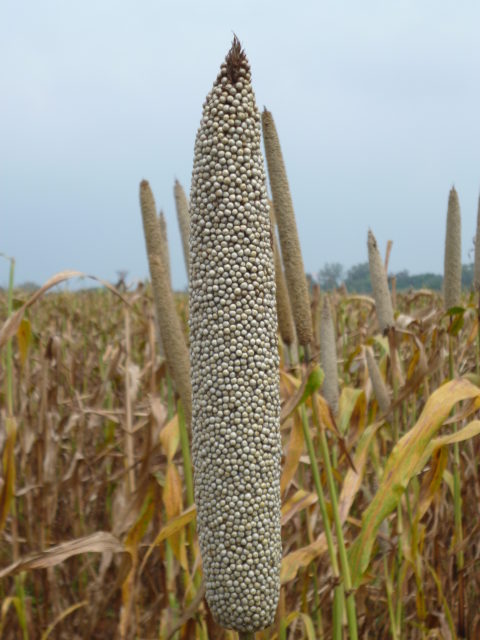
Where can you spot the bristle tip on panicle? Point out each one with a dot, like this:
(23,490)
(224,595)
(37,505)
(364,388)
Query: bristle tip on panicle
(235,60)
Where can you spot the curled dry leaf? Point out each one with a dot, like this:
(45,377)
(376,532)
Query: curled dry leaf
(99,542)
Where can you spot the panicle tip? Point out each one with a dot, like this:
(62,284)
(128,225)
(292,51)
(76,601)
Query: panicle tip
(235,60)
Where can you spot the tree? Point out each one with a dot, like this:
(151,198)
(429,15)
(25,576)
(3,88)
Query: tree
(358,278)
(330,276)
(467,275)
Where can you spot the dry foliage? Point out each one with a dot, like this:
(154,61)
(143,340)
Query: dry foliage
(96,526)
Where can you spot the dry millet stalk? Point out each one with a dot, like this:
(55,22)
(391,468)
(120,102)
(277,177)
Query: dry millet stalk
(287,231)
(171,333)
(476,270)
(284,311)
(234,357)
(452,278)
(183,217)
(379,387)
(328,356)
(378,278)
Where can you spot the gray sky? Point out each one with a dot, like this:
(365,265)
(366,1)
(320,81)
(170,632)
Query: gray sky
(377,105)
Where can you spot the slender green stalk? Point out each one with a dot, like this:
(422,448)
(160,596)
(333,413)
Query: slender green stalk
(339,594)
(391,611)
(421,608)
(342,552)
(457,505)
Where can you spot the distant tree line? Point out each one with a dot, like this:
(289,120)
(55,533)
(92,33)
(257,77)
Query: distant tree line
(357,279)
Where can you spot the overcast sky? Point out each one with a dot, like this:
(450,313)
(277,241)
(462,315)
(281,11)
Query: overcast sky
(377,105)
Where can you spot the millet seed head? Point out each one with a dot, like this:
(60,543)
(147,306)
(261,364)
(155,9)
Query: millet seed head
(170,329)
(328,356)
(378,278)
(452,272)
(164,245)
(183,217)
(287,231)
(379,387)
(234,357)
(284,310)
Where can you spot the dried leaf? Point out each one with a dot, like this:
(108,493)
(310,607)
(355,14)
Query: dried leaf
(62,616)
(7,488)
(95,543)
(295,448)
(11,325)
(300,500)
(170,437)
(24,338)
(170,529)
(172,492)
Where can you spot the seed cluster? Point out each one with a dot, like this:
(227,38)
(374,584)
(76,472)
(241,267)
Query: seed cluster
(183,217)
(379,387)
(328,357)
(287,231)
(234,357)
(452,272)
(381,293)
(164,246)
(284,310)
(169,329)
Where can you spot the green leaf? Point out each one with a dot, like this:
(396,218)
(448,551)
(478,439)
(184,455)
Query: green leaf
(407,458)
(314,382)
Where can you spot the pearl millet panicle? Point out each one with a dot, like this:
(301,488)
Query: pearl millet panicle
(183,217)
(328,357)
(452,274)
(381,293)
(234,357)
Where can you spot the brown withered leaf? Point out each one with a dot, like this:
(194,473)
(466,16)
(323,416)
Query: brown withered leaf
(11,325)
(98,542)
